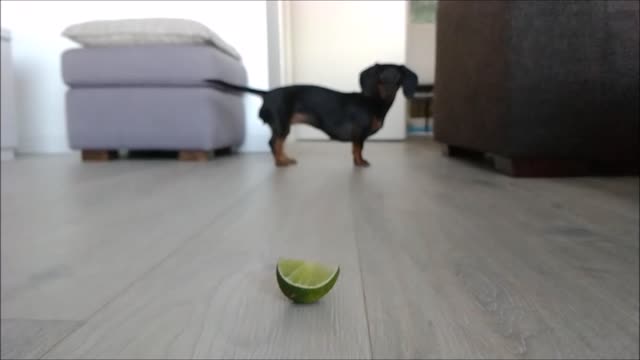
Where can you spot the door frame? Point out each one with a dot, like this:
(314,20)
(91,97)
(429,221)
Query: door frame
(280,50)
(279,46)
(279,42)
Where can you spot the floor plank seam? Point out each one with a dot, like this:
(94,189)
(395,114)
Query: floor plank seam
(179,246)
(364,300)
(364,295)
(571,216)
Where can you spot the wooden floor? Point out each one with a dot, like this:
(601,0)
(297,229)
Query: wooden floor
(440,258)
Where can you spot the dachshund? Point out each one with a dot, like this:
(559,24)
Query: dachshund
(346,117)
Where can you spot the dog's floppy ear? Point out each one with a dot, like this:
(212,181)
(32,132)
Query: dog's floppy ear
(369,80)
(409,82)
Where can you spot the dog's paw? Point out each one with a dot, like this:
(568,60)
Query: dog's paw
(286,162)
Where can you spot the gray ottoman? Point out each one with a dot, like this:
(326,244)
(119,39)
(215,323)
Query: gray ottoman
(152,98)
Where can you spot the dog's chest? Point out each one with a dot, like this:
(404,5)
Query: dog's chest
(341,132)
(351,129)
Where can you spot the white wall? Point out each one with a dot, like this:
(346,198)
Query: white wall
(8,131)
(276,38)
(333,41)
(421,50)
(37,45)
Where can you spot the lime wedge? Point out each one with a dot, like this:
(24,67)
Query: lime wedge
(305,282)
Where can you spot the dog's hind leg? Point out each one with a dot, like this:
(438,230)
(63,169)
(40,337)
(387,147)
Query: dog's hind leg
(279,133)
(277,149)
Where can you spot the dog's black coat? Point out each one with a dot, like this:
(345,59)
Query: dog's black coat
(342,116)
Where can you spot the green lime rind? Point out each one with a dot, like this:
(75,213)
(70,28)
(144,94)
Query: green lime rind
(303,294)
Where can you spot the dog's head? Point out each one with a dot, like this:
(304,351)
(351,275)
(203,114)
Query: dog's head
(384,80)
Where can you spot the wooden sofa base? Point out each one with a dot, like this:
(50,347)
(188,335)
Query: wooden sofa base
(545,167)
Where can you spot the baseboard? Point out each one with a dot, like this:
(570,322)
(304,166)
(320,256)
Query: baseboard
(7,155)
(39,144)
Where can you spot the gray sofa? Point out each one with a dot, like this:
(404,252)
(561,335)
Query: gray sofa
(544,87)
(151,98)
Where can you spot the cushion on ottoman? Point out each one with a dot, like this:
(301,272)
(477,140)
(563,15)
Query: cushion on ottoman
(167,65)
(150,31)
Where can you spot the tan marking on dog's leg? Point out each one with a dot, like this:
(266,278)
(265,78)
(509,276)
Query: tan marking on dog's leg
(358,160)
(280,156)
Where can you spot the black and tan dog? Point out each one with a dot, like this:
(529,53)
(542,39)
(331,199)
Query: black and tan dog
(349,117)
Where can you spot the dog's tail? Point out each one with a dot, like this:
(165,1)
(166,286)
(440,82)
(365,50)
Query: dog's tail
(226,86)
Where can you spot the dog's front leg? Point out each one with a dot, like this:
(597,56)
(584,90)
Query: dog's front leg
(358,160)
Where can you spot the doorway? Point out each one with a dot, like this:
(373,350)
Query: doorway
(328,43)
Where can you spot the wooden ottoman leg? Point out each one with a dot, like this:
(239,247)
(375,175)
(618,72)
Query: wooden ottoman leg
(99,155)
(194,155)
(223,151)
